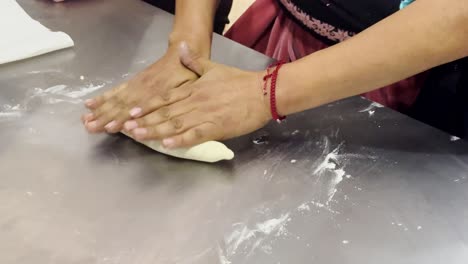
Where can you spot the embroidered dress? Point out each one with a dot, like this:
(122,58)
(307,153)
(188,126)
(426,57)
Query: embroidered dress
(291,29)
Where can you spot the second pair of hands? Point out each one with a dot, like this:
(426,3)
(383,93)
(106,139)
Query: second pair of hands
(183,100)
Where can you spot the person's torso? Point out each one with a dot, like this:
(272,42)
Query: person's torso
(350,16)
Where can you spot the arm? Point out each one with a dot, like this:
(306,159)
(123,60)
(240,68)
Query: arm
(426,34)
(164,81)
(193,23)
(226,102)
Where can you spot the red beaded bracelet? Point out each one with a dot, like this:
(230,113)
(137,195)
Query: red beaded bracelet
(274,77)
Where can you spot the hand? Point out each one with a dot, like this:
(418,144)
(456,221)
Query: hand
(223,103)
(160,84)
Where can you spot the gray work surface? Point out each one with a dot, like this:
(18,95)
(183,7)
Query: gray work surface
(338,184)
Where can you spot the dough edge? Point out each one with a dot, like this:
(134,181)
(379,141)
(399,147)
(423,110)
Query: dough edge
(211,151)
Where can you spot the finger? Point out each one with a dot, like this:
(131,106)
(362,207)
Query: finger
(98,125)
(194,136)
(113,109)
(169,128)
(117,123)
(193,61)
(97,101)
(87,117)
(110,117)
(159,116)
(158,101)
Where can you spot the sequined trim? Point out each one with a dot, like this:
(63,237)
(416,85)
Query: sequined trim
(319,27)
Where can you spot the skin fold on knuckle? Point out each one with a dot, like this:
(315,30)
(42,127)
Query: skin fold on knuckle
(165,96)
(165,113)
(177,124)
(197,134)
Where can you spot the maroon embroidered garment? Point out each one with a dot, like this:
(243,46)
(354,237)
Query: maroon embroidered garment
(284,31)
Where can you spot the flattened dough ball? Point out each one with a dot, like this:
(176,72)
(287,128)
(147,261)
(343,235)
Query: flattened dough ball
(211,151)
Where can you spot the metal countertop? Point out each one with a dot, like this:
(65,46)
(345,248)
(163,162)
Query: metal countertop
(337,184)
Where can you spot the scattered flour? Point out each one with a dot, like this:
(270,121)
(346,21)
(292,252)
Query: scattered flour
(331,165)
(248,239)
(63,91)
(10,114)
(8,111)
(306,207)
(222,257)
(303,207)
(52,95)
(371,108)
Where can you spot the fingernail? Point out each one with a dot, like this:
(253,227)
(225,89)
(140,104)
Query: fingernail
(140,132)
(168,143)
(135,111)
(110,125)
(130,125)
(89,102)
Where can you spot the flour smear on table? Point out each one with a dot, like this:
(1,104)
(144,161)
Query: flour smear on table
(371,108)
(246,239)
(51,95)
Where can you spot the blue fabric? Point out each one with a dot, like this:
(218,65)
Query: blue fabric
(405,3)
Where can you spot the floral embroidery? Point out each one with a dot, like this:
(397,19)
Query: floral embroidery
(319,27)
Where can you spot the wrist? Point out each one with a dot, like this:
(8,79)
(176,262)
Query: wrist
(282,84)
(199,43)
(263,94)
(270,82)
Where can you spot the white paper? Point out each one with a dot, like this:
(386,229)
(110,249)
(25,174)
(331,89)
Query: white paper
(22,37)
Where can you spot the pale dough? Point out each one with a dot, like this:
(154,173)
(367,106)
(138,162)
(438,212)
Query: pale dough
(22,37)
(211,151)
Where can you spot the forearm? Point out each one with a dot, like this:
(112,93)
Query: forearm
(194,23)
(426,34)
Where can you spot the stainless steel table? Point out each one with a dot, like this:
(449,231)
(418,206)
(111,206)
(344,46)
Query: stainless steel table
(349,182)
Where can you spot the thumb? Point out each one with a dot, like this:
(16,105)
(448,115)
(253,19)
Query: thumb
(193,61)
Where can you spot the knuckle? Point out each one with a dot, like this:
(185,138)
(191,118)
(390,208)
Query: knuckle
(176,123)
(154,86)
(109,115)
(152,103)
(164,112)
(132,101)
(142,122)
(119,100)
(103,110)
(165,96)
(198,134)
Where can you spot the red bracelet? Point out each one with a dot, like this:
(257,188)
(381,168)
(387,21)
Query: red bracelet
(274,77)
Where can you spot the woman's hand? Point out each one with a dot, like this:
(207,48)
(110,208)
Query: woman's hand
(224,102)
(161,84)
